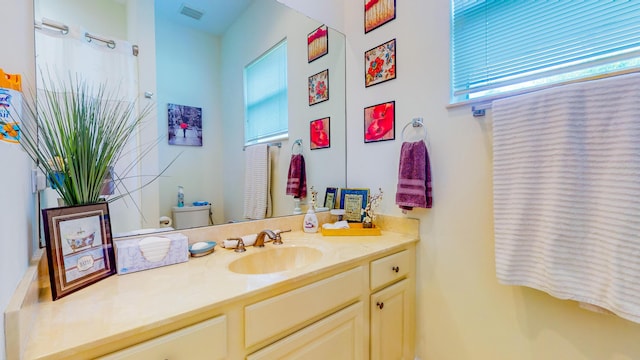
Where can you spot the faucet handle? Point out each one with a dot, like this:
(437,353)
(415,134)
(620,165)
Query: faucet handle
(240,247)
(278,239)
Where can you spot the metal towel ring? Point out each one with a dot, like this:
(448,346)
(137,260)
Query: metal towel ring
(299,143)
(416,123)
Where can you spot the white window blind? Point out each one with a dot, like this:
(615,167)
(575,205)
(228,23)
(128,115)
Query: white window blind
(265,96)
(499,46)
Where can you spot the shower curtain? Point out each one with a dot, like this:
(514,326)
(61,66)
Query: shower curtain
(59,56)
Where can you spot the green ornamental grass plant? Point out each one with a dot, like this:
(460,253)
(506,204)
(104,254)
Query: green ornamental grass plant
(76,132)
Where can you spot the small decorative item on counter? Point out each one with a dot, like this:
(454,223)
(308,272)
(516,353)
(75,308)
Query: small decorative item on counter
(369,211)
(310,224)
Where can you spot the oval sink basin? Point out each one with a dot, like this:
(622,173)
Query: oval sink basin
(275,260)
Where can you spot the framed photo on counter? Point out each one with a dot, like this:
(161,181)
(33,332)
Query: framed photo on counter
(353,201)
(79,246)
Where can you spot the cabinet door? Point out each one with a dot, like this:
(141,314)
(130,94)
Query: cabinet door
(391,325)
(336,337)
(206,340)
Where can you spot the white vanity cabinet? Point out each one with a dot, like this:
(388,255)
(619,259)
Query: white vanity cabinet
(206,340)
(392,306)
(391,296)
(356,303)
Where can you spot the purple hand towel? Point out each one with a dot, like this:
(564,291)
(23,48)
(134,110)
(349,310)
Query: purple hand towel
(297,179)
(414,177)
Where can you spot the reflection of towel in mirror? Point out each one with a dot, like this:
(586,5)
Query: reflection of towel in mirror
(414,177)
(297,179)
(257,182)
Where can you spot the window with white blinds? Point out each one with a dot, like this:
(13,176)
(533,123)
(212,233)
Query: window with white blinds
(501,46)
(265,96)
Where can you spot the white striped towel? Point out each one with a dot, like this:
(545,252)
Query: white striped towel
(566,179)
(257,182)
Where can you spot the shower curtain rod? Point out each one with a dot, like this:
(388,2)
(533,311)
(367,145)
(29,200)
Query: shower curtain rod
(64,30)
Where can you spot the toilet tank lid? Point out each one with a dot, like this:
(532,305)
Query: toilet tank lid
(188,208)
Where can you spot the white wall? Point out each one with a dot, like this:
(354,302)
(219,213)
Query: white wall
(263,25)
(17,207)
(463,313)
(188,63)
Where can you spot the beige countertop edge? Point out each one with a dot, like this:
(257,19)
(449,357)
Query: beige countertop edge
(42,345)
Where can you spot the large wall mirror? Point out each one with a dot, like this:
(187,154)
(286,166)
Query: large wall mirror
(197,65)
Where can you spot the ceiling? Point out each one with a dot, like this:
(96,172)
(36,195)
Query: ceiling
(218,14)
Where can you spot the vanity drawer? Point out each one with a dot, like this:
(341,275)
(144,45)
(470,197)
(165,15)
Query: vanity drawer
(390,268)
(278,314)
(339,336)
(204,340)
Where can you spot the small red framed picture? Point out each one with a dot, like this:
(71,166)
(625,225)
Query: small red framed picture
(318,43)
(380,122)
(378,13)
(319,133)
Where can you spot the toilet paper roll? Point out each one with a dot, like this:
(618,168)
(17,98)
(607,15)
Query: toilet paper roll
(165,221)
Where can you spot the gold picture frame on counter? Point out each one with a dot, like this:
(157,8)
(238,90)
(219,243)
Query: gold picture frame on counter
(353,201)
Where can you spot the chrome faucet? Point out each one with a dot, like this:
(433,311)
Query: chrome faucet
(273,235)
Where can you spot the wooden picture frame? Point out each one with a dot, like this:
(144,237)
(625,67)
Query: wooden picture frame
(380,63)
(330,197)
(378,13)
(318,43)
(79,246)
(319,87)
(380,122)
(320,133)
(354,201)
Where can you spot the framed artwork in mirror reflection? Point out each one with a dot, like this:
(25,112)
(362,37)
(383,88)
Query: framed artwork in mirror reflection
(319,132)
(79,246)
(319,87)
(184,125)
(330,197)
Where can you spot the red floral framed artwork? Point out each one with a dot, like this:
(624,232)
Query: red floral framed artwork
(318,43)
(378,13)
(319,133)
(319,87)
(380,122)
(380,63)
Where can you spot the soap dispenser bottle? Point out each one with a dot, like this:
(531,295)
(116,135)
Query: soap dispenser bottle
(310,224)
(180,196)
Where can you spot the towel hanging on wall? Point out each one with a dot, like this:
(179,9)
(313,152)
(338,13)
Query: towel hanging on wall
(257,182)
(297,178)
(566,180)
(414,177)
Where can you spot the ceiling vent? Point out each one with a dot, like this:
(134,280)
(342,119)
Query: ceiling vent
(189,11)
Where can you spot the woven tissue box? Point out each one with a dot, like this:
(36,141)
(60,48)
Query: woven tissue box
(150,252)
